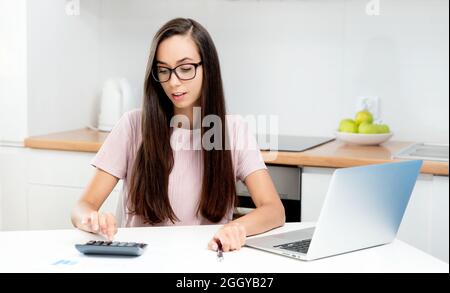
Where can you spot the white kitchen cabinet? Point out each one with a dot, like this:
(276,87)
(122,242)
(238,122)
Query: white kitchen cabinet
(425,224)
(40,187)
(1,202)
(439,232)
(59,168)
(414,228)
(314,186)
(13,166)
(1,189)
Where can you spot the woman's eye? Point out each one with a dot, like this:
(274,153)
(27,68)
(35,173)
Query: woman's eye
(162,70)
(186,68)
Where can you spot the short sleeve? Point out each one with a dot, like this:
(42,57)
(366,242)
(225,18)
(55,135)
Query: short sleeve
(114,152)
(248,154)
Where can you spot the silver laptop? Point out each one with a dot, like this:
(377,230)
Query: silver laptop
(363,208)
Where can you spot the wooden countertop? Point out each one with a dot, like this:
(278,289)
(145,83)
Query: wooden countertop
(336,154)
(332,155)
(80,140)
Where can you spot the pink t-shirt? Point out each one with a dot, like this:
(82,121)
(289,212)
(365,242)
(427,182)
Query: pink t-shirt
(118,152)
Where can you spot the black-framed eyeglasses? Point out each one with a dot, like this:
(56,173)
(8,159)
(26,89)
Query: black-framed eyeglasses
(186,71)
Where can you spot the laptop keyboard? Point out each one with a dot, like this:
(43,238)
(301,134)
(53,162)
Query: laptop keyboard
(297,246)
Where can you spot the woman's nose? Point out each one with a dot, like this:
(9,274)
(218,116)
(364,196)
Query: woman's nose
(174,80)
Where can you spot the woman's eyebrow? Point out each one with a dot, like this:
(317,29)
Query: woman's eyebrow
(179,61)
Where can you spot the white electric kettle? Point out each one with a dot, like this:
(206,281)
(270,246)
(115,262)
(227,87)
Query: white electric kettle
(116,99)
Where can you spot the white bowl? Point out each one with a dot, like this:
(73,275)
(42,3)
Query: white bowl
(363,139)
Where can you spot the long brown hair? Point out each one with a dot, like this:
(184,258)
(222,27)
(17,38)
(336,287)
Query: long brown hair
(154,160)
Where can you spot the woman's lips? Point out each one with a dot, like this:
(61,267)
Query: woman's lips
(178,97)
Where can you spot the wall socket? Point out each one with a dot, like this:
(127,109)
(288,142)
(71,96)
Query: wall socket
(370,103)
(72,7)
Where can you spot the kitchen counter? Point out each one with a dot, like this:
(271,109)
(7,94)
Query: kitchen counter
(337,154)
(80,140)
(334,154)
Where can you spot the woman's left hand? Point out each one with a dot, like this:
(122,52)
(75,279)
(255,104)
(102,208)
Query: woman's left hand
(231,236)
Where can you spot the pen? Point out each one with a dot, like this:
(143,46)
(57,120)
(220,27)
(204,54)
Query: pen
(219,252)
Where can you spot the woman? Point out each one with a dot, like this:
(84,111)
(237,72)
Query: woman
(187,185)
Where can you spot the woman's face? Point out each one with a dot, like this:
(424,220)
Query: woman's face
(175,51)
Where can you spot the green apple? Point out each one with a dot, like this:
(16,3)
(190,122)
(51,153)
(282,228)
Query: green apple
(348,125)
(363,116)
(368,128)
(383,128)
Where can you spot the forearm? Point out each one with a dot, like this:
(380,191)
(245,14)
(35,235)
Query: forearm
(262,219)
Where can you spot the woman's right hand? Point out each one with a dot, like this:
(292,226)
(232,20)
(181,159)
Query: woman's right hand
(99,223)
(85,215)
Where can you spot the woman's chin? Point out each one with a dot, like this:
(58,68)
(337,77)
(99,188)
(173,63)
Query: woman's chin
(183,104)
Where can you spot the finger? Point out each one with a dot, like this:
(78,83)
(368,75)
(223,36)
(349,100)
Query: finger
(94,222)
(112,226)
(213,245)
(102,223)
(229,238)
(224,241)
(85,220)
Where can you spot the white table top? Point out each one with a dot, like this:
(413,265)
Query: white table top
(183,249)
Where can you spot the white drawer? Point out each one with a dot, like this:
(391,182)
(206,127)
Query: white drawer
(61,168)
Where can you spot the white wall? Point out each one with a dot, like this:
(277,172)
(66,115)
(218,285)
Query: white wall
(402,56)
(63,65)
(13,71)
(306,61)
